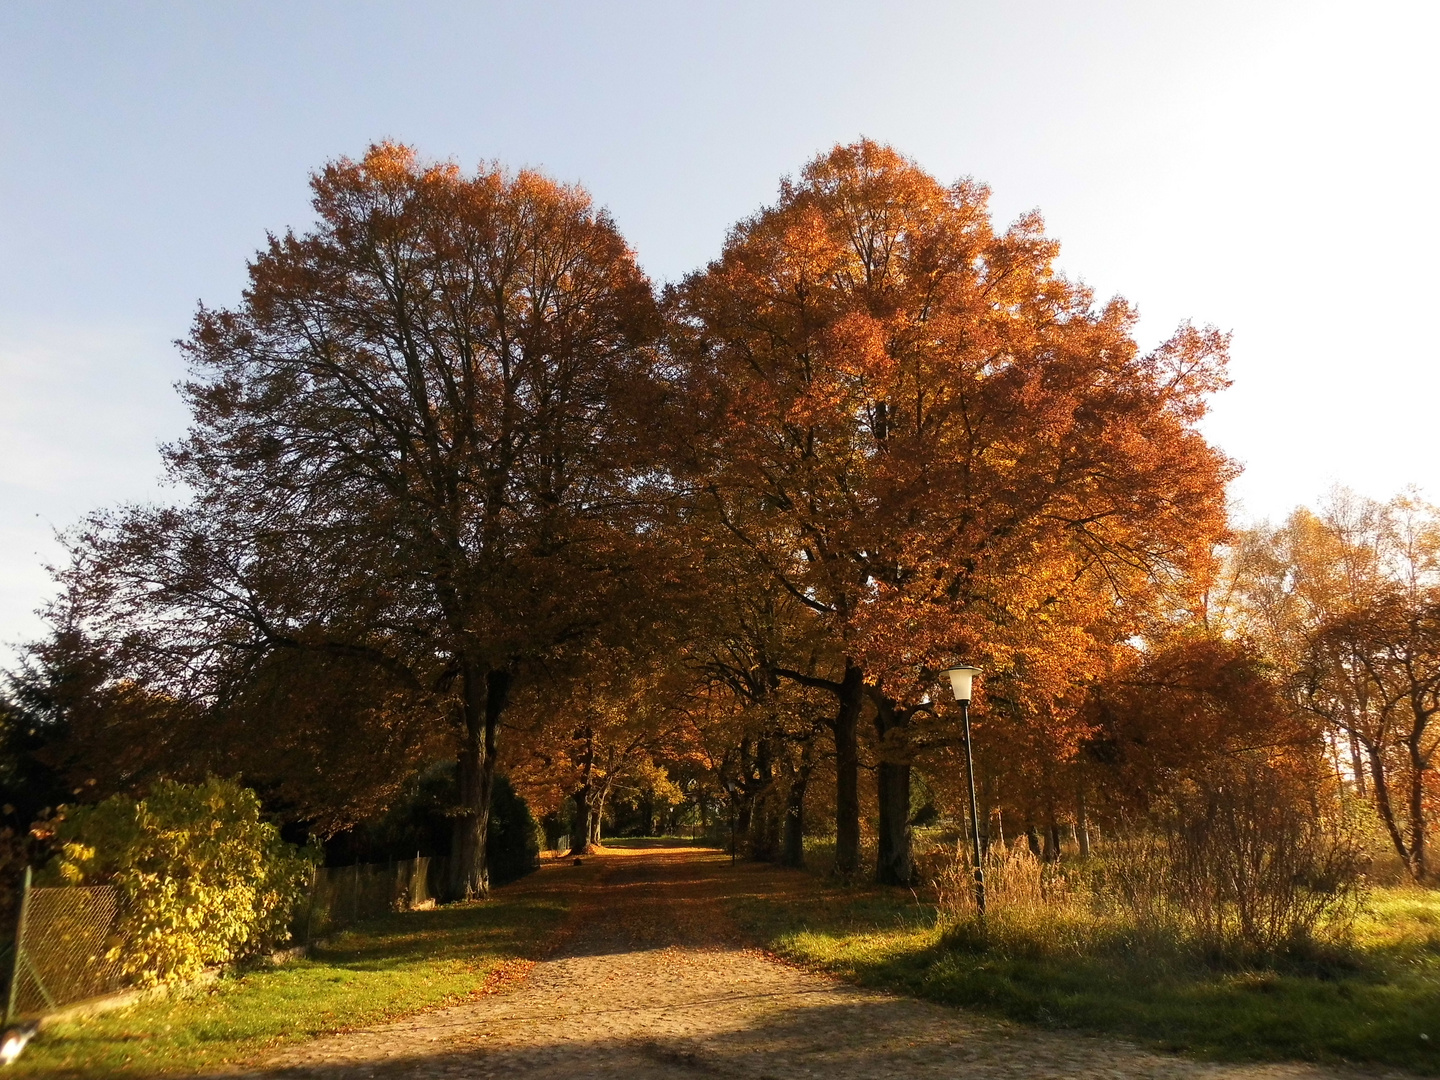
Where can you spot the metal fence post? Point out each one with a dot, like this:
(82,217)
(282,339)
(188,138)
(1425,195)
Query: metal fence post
(310,911)
(14,995)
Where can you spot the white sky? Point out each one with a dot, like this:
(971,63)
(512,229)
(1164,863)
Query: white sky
(1265,166)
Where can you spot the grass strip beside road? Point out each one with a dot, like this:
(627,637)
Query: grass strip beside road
(1370,1007)
(378,972)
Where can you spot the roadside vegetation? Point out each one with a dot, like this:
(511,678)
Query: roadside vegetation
(1369,998)
(480,538)
(378,972)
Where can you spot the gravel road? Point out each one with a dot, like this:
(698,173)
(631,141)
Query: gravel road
(650,980)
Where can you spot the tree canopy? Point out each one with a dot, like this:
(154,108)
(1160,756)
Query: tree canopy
(461,484)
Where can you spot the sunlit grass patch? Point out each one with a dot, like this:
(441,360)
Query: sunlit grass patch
(1369,1004)
(380,971)
(646,843)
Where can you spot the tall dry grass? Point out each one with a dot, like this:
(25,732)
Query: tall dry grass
(1233,879)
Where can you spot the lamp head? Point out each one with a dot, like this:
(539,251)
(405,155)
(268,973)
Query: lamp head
(961,677)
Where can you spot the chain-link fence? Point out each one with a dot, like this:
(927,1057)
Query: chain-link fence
(65,948)
(68,943)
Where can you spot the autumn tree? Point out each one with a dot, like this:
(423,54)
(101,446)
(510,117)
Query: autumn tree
(1345,603)
(414,466)
(1184,711)
(940,448)
(597,731)
(1384,660)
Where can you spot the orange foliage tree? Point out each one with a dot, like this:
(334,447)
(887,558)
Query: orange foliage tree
(448,446)
(940,448)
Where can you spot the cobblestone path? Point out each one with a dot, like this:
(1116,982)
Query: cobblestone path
(651,980)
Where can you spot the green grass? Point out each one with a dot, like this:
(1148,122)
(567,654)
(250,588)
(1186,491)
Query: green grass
(1370,1005)
(380,971)
(646,842)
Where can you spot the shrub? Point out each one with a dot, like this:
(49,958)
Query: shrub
(1232,874)
(1260,865)
(203,880)
(513,842)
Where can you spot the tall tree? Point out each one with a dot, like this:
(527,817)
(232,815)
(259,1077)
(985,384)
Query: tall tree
(417,445)
(939,447)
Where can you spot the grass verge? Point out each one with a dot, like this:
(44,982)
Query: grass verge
(645,843)
(380,971)
(1370,1006)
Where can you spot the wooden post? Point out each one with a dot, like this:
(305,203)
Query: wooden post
(17,958)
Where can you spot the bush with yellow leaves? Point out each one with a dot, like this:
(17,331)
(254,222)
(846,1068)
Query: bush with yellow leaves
(203,879)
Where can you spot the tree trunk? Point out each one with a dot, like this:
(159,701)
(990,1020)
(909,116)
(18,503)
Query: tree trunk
(1052,842)
(582,826)
(1357,765)
(469,871)
(1380,783)
(763,835)
(847,772)
(1032,837)
(1082,827)
(894,864)
(792,851)
(894,861)
(743,801)
(597,816)
(1418,868)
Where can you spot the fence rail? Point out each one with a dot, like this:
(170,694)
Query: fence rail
(341,896)
(69,942)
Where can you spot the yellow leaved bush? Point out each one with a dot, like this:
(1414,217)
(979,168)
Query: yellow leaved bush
(203,879)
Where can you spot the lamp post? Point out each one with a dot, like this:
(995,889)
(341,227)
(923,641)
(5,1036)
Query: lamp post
(961,678)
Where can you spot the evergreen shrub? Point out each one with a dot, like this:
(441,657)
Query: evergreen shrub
(514,839)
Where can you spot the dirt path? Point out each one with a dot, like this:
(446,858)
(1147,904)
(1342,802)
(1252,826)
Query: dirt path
(651,980)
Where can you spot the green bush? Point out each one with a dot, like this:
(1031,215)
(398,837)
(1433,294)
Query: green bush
(203,880)
(514,838)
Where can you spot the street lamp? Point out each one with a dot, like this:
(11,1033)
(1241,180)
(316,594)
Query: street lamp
(961,678)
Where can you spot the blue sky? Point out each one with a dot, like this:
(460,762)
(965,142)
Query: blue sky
(1265,166)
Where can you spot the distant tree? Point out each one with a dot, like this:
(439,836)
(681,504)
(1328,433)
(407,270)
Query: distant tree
(415,459)
(1345,603)
(1184,710)
(1386,657)
(597,731)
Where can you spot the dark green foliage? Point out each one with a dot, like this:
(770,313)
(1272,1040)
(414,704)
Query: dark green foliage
(515,836)
(29,784)
(419,824)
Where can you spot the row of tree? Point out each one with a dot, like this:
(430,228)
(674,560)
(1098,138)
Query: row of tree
(461,483)
(1345,608)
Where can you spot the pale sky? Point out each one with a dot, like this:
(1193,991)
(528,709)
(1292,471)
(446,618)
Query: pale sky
(1265,166)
